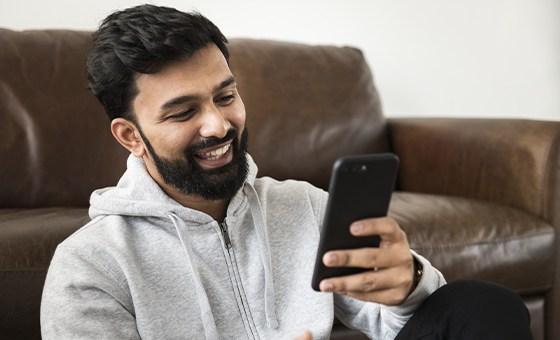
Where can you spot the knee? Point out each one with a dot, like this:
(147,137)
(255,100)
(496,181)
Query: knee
(484,298)
(469,309)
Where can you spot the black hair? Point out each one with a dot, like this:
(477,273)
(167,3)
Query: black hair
(143,39)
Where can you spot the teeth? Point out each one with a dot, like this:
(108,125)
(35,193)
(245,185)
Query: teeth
(212,155)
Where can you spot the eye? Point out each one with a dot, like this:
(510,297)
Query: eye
(184,115)
(226,100)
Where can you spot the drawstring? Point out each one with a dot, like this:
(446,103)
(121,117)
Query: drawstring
(260,227)
(206,315)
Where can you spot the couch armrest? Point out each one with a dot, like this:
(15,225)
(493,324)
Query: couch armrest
(508,161)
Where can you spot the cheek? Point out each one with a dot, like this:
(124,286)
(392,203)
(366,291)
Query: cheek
(237,115)
(174,141)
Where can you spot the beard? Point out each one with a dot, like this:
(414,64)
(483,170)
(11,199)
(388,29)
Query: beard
(187,176)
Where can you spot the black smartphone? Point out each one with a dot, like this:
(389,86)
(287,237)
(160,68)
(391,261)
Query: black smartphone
(360,187)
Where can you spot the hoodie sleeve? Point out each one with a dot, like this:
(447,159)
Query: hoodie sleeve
(384,322)
(83,300)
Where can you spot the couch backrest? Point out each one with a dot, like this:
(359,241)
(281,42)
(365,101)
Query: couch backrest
(306,106)
(56,143)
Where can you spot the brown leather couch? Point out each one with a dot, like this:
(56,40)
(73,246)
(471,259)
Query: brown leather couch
(480,198)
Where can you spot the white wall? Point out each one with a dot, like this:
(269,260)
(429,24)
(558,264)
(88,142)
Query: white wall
(483,58)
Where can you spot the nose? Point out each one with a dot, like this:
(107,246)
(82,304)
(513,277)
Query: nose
(214,123)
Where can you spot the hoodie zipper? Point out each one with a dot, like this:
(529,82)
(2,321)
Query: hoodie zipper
(235,277)
(224,230)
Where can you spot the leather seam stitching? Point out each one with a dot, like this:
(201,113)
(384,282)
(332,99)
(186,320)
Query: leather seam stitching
(489,242)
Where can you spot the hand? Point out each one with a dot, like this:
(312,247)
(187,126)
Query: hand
(305,336)
(391,276)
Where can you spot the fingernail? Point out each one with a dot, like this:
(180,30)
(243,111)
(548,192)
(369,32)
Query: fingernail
(327,286)
(356,228)
(331,259)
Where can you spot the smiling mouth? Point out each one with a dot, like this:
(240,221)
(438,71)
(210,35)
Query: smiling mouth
(215,154)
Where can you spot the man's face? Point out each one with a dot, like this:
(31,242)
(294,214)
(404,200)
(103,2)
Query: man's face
(192,122)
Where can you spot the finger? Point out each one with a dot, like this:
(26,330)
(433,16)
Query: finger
(305,336)
(370,281)
(368,258)
(388,286)
(367,281)
(388,297)
(385,227)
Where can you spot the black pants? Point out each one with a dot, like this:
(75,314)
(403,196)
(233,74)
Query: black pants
(469,310)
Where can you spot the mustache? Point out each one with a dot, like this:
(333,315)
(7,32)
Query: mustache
(232,134)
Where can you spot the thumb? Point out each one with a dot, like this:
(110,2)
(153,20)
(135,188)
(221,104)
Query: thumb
(305,336)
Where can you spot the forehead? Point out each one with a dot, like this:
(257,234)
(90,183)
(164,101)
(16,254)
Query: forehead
(195,76)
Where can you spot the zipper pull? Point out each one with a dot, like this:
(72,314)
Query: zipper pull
(227,240)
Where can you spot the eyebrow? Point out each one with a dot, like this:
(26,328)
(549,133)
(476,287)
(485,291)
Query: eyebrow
(185,99)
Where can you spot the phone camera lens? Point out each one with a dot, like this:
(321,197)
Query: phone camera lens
(359,168)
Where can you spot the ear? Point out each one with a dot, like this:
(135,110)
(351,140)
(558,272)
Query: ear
(126,133)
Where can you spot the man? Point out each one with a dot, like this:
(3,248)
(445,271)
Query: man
(190,244)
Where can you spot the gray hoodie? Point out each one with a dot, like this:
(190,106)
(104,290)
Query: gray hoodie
(147,267)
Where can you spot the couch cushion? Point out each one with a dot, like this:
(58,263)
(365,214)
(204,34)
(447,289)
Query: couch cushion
(28,239)
(478,239)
